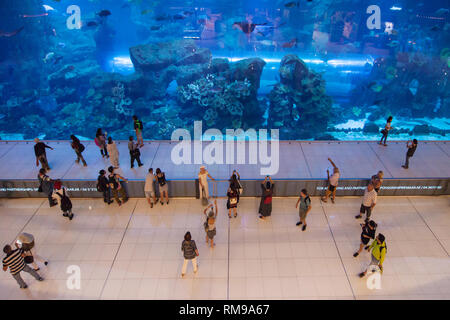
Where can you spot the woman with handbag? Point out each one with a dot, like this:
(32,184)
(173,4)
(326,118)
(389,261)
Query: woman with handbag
(235,182)
(135,153)
(265,206)
(163,186)
(79,148)
(232,201)
(385,131)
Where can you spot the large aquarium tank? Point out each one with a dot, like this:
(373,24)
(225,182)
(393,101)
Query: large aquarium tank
(314,69)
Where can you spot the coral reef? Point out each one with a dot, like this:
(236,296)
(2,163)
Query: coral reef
(299,106)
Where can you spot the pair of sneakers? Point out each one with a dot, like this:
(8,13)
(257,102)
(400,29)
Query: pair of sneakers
(300,223)
(68,216)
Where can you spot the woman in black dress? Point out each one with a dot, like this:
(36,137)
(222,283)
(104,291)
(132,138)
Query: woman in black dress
(232,202)
(265,207)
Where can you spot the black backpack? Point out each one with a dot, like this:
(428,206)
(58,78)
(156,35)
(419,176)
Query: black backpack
(66,204)
(81,147)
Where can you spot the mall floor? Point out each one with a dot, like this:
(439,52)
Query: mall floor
(134,252)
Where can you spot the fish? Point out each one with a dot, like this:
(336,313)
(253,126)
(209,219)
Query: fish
(48,8)
(441,12)
(435,28)
(375,87)
(104,13)
(48,56)
(377,102)
(146,11)
(292,4)
(35,15)
(179,16)
(246,27)
(92,24)
(290,44)
(393,43)
(10,34)
(267,43)
(162,17)
(2,116)
(61,45)
(153,28)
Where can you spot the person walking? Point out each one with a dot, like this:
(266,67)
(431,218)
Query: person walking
(305,207)
(203,176)
(25,241)
(412,146)
(135,153)
(232,201)
(190,253)
(41,155)
(138,127)
(369,201)
(103,186)
(163,186)
(100,141)
(377,180)
(385,131)
(368,232)
(265,206)
(113,153)
(46,186)
(114,180)
(61,195)
(149,188)
(79,148)
(210,223)
(14,260)
(332,183)
(378,255)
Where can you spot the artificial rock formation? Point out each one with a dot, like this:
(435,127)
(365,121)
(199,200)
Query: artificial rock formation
(299,106)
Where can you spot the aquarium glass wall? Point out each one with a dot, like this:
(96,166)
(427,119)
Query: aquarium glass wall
(315,70)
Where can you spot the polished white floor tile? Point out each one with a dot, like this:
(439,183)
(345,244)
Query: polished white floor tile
(134,252)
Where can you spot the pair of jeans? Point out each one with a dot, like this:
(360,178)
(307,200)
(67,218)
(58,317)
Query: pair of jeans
(185,263)
(80,157)
(137,157)
(43,160)
(103,151)
(407,161)
(107,195)
(27,269)
(385,135)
